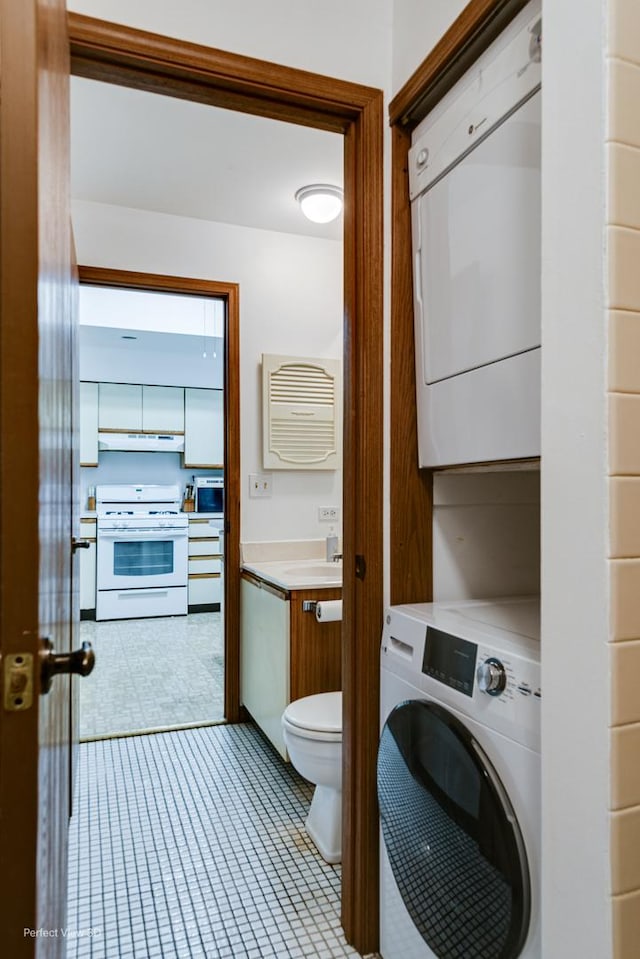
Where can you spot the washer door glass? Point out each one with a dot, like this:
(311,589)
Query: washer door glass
(451,835)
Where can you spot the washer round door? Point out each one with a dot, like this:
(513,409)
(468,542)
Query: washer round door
(451,835)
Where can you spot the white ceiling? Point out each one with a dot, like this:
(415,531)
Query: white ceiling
(151,152)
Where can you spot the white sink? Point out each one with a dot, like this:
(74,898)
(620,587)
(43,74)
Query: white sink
(294,574)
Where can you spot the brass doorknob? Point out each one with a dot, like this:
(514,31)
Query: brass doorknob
(80,661)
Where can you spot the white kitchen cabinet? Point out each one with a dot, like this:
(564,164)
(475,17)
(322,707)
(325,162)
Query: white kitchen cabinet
(88,419)
(264,660)
(163,409)
(203,428)
(88,566)
(120,407)
(205,564)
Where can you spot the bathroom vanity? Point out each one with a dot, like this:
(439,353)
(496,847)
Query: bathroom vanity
(285,653)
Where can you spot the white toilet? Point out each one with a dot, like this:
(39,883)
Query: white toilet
(312,729)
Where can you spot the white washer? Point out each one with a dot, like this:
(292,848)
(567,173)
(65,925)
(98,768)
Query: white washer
(459,781)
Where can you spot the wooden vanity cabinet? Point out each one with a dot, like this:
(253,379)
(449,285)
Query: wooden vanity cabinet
(285,653)
(316,648)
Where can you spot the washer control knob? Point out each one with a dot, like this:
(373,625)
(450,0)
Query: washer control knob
(492,677)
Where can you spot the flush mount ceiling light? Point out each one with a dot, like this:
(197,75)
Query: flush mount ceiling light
(320,202)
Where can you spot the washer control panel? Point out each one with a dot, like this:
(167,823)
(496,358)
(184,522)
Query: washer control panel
(483,668)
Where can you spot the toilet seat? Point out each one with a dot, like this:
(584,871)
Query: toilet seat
(316,717)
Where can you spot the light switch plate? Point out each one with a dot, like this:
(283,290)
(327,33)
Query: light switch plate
(260,485)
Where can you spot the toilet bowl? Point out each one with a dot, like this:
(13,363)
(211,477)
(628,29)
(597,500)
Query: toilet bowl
(312,730)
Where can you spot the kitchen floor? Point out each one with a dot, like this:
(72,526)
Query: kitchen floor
(152,674)
(190,845)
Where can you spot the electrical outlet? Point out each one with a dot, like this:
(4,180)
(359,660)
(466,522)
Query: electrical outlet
(260,485)
(328,514)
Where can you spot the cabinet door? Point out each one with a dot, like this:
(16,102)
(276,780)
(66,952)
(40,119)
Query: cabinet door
(203,427)
(88,424)
(88,577)
(204,590)
(120,407)
(264,658)
(163,409)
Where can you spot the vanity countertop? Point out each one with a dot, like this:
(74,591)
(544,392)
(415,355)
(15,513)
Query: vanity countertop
(297,574)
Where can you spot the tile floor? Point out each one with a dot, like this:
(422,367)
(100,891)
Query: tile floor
(152,673)
(191,844)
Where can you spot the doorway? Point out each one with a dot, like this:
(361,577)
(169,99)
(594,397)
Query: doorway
(130,58)
(153,364)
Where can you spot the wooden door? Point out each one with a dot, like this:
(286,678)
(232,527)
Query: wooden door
(36,584)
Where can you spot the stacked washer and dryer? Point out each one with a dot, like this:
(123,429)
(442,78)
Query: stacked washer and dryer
(459,755)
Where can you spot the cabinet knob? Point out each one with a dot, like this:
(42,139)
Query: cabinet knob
(77,543)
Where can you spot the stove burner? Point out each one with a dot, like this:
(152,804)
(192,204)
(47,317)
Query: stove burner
(119,512)
(163,512)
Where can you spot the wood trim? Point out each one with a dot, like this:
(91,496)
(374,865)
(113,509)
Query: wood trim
(158,64)
(205,575)
(132,429)
(281,593)
(117,54)
(362,528)
(477,26)
(154,282)
(203,466)
(411,573)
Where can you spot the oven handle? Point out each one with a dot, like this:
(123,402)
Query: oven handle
(142,533)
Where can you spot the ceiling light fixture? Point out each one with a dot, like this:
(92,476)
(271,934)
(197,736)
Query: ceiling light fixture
(320,202)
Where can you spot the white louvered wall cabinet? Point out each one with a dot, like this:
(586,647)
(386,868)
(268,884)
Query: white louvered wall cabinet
(301,413)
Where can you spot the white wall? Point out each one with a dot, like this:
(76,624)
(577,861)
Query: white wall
(349,39)
(417,27)
(290,303)
(575,601)
(486,535)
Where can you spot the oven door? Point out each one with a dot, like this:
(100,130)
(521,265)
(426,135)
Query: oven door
(142,558)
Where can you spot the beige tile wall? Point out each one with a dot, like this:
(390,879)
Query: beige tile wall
(623,218)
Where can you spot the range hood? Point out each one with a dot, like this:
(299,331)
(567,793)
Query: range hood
(141,442)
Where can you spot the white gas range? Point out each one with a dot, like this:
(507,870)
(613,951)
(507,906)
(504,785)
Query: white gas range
(142,558)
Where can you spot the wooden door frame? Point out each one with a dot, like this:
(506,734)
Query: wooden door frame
(230,294)
(115,54)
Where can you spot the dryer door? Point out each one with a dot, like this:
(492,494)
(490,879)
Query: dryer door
(451,836)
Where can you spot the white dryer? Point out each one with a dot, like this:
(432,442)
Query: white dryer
(474,178)
(459,781)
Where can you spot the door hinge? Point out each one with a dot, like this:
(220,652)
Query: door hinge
(18,682)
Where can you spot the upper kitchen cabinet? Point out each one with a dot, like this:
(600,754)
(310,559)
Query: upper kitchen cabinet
(203,427)
(88,424)
(120,407)
(163,409)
